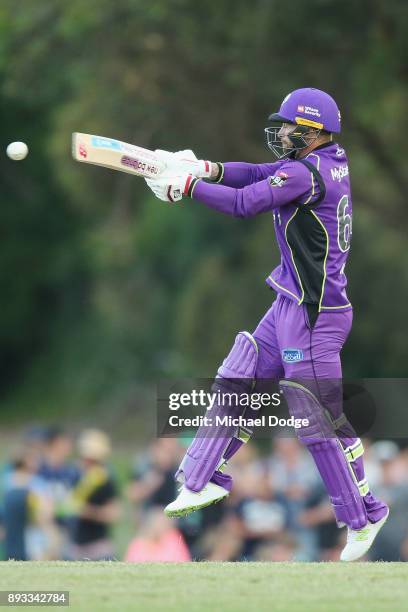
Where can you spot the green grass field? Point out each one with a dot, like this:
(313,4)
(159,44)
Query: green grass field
(276,587)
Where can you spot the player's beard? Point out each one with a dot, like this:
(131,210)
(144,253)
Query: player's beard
(287,147)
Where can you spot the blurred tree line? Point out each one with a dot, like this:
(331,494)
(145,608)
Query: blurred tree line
(102,287)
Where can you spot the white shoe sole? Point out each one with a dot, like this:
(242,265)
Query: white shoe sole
(379,524)
(187,510)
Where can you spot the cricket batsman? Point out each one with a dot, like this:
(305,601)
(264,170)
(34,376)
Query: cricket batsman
(299,339)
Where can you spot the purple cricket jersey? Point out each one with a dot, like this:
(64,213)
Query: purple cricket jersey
(312,214)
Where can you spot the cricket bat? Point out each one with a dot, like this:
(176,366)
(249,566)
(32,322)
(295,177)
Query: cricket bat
(115,154)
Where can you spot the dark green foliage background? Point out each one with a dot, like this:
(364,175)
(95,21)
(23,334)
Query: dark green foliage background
(103,289)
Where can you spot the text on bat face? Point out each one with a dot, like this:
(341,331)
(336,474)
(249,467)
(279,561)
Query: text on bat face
(138,165)
(82,151)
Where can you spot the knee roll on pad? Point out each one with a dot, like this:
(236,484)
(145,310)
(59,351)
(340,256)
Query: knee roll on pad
(303,404)
(242,360)
(214,445)
(328,454)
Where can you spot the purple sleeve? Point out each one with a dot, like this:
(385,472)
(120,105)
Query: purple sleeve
(240,174)
(291,183)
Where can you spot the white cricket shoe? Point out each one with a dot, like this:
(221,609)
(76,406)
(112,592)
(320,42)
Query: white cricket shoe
(359,541)
(187,501)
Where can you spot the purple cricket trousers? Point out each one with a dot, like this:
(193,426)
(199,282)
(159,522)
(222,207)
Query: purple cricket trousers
(301,348)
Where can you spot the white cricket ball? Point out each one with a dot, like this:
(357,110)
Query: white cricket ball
(17,150)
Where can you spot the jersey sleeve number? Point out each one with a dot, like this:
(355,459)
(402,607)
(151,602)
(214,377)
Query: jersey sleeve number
(344,224)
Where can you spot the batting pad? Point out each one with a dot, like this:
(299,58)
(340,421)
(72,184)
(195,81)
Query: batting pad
(215,444)
(319,436)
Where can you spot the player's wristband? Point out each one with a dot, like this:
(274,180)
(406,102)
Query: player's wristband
(220,175)
(189,186)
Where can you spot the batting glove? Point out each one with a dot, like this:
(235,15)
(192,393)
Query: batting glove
(184,162)
(171,188)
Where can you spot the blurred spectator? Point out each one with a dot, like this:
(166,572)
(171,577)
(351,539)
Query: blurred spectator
(33,443)
(34,439)
(255,512)
(198,526)
(158,540)
(153,475)
(262,516)
(55,466)
(294,476)
(292,471)
(278,509)
(390,544)
(95,499)
(318,518)
(153,484)
(30,532)
(61,474)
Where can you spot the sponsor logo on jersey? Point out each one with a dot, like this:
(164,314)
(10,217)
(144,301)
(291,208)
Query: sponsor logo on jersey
(278,180)
(340,152)
(338,173)
(291,355)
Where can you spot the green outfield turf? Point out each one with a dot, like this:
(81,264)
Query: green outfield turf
(253,587)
